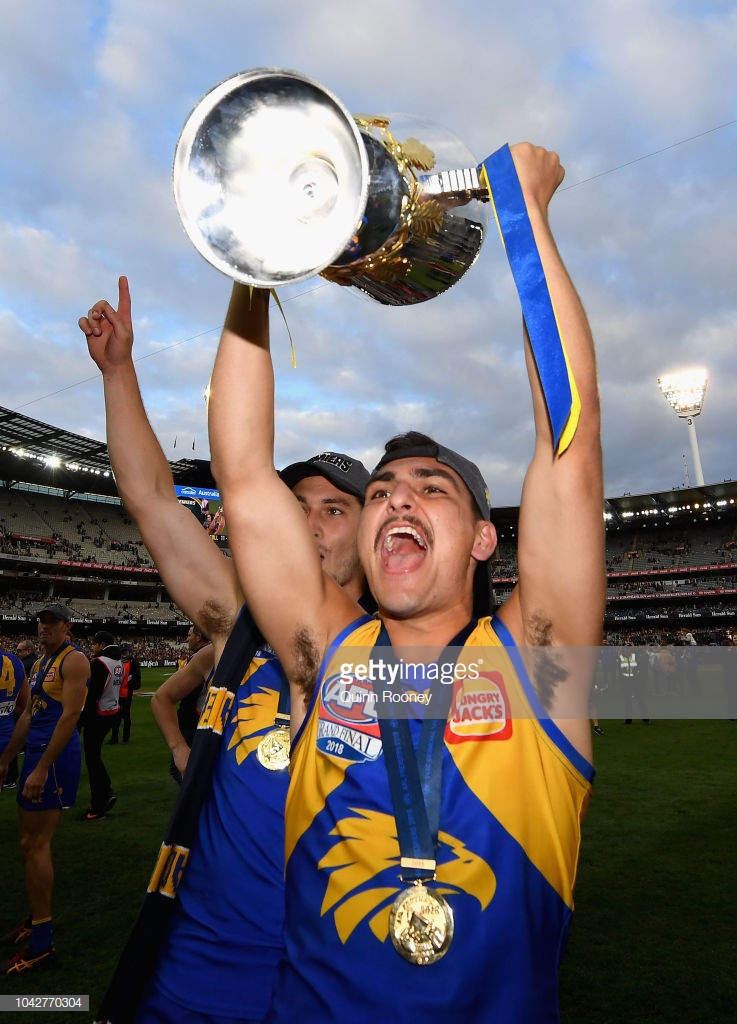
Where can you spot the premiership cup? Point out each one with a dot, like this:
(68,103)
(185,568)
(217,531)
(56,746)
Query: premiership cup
(275,182)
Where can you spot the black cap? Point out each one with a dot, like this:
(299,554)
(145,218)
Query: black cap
(348,475)
(103,637)
(59,610)
(468,471)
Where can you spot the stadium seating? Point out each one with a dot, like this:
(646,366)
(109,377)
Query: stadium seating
(87,552)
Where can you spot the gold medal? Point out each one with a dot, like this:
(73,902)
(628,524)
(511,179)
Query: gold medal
(273,750)
(421,925)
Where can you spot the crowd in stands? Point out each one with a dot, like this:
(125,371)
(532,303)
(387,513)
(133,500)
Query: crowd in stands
(149,648)
(51,530)
(49,527)
(631,586)
(708,544)
(25,603)
(666,637)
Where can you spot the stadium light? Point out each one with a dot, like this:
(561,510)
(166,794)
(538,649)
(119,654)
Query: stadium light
(684,392)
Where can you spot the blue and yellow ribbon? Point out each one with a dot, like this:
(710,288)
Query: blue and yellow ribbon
(499,175)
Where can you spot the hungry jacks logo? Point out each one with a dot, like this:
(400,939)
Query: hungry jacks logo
(480,710)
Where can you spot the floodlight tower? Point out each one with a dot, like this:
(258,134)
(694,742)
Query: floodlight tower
(685,391)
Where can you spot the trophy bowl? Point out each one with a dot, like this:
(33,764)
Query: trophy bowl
(276,182)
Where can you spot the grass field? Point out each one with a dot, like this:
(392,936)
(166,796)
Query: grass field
(654,937)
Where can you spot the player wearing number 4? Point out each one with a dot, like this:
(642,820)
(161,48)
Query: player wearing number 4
(430,861)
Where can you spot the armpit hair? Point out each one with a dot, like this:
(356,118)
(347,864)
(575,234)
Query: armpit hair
(214,620)
(307,661)
(545,662)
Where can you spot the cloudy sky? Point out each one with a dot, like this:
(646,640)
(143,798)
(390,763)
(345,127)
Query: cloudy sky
(639,97)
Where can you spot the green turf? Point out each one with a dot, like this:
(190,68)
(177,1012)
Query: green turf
(653,937)
(102,868)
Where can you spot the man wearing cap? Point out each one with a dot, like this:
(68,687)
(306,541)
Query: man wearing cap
(224,941)
(101,710)
(431,852)
(49,777)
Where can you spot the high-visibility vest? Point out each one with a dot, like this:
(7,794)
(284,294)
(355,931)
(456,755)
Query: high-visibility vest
(628,664)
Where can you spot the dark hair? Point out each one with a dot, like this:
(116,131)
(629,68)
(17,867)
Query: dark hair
(413,444)
(410,439)
(416,443)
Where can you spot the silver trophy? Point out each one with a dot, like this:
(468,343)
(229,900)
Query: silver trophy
(275,181)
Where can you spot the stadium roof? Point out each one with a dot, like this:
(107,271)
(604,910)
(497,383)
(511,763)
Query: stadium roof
(621,511)
(37,453)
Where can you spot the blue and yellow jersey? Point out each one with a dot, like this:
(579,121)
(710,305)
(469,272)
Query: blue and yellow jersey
(513,795)
(47,682)
(12,675)
(225,939)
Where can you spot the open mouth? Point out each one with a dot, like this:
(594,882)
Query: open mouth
(403,549)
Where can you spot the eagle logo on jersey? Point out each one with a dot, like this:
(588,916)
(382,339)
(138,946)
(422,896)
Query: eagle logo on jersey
(368,849)
(38,704)
(255,714)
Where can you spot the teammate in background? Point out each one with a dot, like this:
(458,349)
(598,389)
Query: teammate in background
(13,699)
(14,690)
(131,682)
(177,692)
(101,709)
(26,651)
(500,847)
(189,705)
(225,939)
(50,775)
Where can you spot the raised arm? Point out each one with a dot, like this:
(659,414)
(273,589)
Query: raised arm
(560,597)
(200,579)
(297,608)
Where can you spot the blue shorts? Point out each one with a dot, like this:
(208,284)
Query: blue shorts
(62,781)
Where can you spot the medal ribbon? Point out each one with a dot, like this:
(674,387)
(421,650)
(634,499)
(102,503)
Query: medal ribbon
(499,175)
(415,778)
(282,711)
